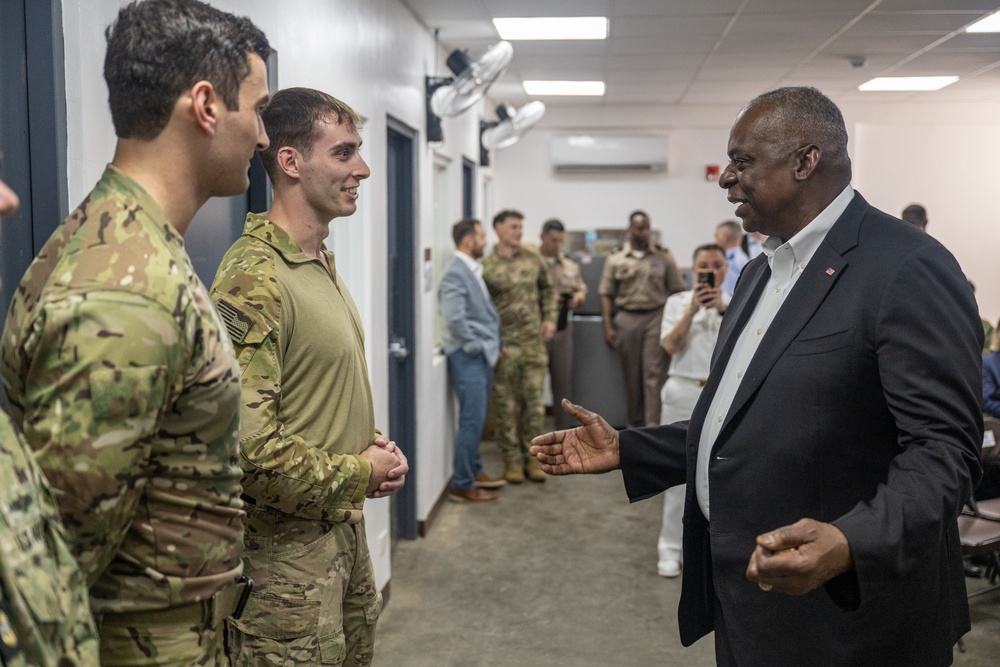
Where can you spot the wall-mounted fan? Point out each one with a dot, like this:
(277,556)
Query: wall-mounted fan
(509,129)
(450,96)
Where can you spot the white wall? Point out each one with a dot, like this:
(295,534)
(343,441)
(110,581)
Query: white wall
(374,55)
(937,155)
(946,167)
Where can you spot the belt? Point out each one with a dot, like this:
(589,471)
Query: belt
(210,613)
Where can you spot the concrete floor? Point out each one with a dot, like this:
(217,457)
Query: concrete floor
(557,574)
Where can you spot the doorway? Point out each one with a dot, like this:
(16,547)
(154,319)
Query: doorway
(401,231)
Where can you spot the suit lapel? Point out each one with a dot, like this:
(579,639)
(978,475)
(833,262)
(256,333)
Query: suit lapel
(475,288)
(739,311)
(816,281)
(818,278)
(733,322)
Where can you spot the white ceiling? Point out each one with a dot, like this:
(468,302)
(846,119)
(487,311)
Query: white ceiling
(708,52)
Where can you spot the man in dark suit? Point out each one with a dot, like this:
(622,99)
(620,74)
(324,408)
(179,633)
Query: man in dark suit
(472,342)
(837,436)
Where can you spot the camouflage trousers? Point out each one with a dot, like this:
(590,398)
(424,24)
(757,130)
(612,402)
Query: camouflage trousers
(314,600)
(518,403)
(168,645)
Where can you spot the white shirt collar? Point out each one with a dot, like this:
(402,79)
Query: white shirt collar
(473,264)
(804,244)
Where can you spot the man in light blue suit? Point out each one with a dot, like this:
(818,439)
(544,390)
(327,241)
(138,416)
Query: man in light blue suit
(472,342)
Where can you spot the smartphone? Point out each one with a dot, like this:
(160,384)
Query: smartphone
(707,277)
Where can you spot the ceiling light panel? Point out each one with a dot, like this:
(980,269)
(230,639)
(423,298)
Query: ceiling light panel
(907,83)
(551,28)
(989,23)
(581,88)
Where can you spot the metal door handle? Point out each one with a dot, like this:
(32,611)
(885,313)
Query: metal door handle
(398,351)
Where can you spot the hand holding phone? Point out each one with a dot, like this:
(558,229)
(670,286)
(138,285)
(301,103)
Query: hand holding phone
(705,292)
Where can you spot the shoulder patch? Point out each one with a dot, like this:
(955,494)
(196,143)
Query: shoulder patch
(237,324)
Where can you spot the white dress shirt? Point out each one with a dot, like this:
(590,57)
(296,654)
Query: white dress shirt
(692,361)
(787,259)
(477,270)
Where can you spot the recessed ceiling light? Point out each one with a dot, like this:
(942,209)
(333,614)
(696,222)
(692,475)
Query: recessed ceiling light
(908,83)
(592,88)
(560,27)
(989,23)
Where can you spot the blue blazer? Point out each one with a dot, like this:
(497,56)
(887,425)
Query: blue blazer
(860,408)
(471,322)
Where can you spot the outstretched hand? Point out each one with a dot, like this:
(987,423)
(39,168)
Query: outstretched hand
(591,448)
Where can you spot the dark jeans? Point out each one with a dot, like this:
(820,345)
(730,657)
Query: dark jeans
(472,377)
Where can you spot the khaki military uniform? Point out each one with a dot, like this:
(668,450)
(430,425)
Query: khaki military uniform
(44,614)
(640,286)
(307,416)
(564,274)
(524,298)
(120,377)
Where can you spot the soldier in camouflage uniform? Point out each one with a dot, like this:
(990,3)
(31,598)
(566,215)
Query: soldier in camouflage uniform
(44,614)
(310,450)
(116,366)
(518,281)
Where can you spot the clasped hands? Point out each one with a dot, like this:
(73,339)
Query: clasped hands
(793,559)
(389,467)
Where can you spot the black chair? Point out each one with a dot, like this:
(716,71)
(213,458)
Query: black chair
(979,532)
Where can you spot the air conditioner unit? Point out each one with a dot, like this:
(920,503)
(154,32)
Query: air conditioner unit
(590,153)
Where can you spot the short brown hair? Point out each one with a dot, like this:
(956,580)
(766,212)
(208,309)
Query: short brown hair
(502,216)
(463,228)
(292,118)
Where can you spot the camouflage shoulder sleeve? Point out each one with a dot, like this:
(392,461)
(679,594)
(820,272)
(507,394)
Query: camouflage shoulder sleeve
(547,293)
(45,596)
(103,367)
(280,470)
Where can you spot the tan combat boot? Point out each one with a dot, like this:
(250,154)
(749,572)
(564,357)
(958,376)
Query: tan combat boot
(513,472)
(534,470)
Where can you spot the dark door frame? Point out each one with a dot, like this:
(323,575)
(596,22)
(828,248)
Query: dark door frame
(401,162)
(32,131)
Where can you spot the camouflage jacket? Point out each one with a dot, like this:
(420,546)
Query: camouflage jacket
(307,402)
(44,614)
(523,296)
(124,384)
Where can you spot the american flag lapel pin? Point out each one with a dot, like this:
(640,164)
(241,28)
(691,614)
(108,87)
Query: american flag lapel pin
(830,272)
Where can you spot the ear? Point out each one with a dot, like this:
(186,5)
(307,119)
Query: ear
(289,161)
(205,104)
(808,160)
